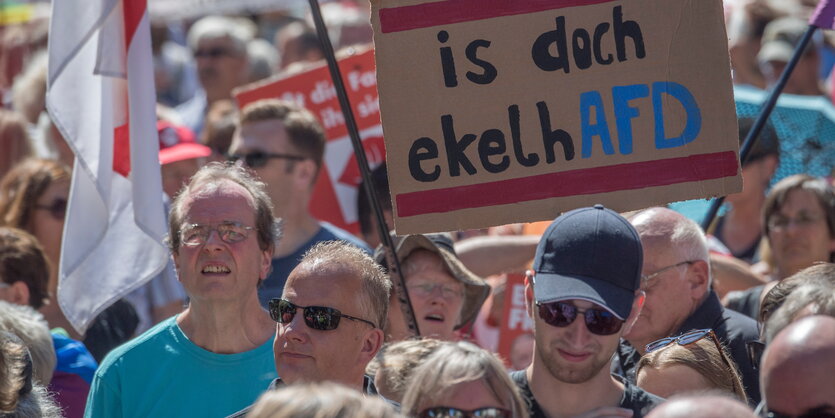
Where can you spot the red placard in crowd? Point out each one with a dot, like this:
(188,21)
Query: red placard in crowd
(516,330)
(335,195)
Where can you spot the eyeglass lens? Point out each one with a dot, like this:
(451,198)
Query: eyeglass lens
(317,317)
(598,321)
(230,233)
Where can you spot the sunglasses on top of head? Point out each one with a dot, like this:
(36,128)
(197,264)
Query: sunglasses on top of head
(320,318)
(258,159)
(562,314)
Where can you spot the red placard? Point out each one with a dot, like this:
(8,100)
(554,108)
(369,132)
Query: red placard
(516,330)
(335,195)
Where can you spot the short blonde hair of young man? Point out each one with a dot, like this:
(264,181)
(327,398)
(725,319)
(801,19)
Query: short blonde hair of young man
(375,289)
(456,363)
(320,400)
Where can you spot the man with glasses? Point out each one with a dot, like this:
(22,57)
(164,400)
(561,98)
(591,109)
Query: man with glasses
(798,369)
(583,295)
(219,45)
(216,356)
(677,280)
(329,318)
(285,145)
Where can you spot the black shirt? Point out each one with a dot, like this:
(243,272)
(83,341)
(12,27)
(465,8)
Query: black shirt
(639,401)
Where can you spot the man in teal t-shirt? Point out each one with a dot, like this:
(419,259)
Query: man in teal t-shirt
(215,357)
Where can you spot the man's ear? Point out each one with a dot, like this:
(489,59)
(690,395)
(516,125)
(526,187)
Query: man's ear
(529,275)
(266,262)
(637,305)
(699,277)
(371,345)
(18,293)
(305,173)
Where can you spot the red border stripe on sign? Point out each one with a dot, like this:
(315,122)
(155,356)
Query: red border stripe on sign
(427,15)
(570,183)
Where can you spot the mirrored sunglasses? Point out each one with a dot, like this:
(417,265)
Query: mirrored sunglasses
(562,314)
(320,318)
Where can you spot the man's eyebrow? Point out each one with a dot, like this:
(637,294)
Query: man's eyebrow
(818,409)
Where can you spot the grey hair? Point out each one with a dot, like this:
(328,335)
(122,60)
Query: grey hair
(32,328)
(683,235)
(213,27)
(818,297)
(455,363)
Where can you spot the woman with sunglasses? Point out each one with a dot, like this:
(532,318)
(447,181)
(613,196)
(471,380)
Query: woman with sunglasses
(460,380)
(692,362)
(33,197)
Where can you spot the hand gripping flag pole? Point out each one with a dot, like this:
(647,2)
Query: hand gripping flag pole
(824,17)
(391,256)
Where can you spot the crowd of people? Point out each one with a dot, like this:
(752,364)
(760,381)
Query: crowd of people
(266,311)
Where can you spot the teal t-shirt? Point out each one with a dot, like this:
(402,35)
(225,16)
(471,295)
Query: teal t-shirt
(163,374)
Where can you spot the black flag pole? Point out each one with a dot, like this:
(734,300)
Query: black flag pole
(367,182)
(762,118)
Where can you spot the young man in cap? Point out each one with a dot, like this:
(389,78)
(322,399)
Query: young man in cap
(583,294)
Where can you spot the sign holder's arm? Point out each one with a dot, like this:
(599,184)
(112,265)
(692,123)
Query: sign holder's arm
(367,182)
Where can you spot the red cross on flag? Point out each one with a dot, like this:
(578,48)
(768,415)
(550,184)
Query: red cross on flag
(101,97)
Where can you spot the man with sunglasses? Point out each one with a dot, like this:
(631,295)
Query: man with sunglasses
(216,356)
(798,370)
(676,278)
(329,318)
(583,294)
(284,144)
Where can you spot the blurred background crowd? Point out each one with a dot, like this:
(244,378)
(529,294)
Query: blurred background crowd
(766,236)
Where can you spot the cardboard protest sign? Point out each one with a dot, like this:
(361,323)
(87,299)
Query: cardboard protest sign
(335,195)
(516,329)
(501,111)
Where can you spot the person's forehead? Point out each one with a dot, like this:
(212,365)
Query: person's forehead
(323,284)
(223,199)
(267,135)
(801,200)
(210,41)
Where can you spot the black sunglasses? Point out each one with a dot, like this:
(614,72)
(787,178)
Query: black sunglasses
(57,209)
(450,412)
(691,337)
(258,159)
(213,53)
(562,314)
(320,318)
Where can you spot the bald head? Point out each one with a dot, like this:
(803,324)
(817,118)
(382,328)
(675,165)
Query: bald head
(705,406)
(798,365)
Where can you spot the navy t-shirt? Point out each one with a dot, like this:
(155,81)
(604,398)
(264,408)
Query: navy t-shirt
(273,285)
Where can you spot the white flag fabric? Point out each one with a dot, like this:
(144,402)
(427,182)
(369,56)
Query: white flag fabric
(101,98)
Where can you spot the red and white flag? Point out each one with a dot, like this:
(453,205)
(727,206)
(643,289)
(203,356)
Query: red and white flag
(101,97)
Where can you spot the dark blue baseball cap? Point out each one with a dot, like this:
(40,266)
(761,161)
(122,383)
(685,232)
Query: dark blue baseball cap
(593,254)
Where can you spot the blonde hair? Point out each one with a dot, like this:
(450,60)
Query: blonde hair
(456,363)
(320,400)
(395,363)
(702,356)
